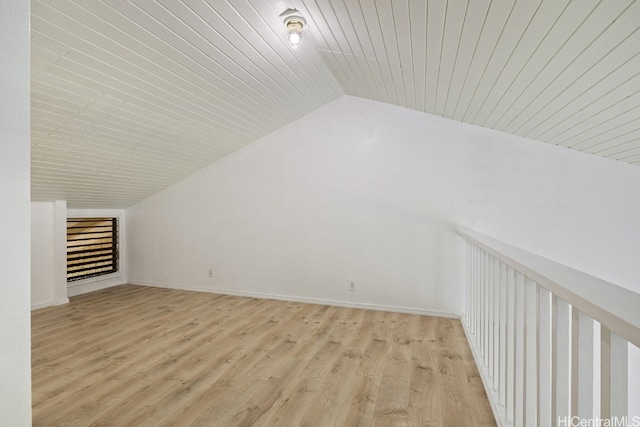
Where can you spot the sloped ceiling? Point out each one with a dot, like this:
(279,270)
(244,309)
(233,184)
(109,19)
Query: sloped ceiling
(128,97)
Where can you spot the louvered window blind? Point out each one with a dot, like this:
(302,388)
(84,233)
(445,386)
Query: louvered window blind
(92,247)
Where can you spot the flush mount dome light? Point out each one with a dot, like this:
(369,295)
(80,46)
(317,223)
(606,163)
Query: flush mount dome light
(295,23)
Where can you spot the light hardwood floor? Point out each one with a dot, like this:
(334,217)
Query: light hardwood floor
(142,356)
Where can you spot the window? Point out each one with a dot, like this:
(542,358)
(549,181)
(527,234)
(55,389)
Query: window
(92,247)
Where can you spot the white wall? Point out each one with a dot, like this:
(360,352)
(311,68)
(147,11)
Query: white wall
(48,254)
(577,209)
(301,212)
(42,254)
(372,192)
(15,335)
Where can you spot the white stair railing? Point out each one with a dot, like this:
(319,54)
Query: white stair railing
(531,324)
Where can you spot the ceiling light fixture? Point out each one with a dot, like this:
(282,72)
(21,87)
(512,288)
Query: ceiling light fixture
(295,23)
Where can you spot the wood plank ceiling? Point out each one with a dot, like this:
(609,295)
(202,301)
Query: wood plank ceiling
(129,97)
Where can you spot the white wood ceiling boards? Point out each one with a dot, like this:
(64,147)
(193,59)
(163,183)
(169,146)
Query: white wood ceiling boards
(129,97)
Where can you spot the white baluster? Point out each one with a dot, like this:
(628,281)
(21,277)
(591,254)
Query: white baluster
(531,354)
(582,366)
(575,344)
(520,351)
(561,361)
(477,288)
(474,289)
(485,310)
(468,283)
(496,324)
(544,358)
(503,336)
(490,318)
(614,369)
(511,340)
(619,376)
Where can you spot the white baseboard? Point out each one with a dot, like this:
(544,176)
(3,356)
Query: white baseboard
(347,304)
(83,288)
(49,304)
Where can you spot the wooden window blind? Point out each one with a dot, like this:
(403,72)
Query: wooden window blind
(92,247)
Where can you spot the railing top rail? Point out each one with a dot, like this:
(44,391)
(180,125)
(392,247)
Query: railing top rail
(615,307)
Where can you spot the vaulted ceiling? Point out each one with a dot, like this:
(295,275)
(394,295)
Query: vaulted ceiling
(129,97)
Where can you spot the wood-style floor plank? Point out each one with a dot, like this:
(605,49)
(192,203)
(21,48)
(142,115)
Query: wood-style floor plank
(143,356)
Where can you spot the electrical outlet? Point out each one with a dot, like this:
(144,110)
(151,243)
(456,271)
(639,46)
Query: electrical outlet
(210,273)
(352,285)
